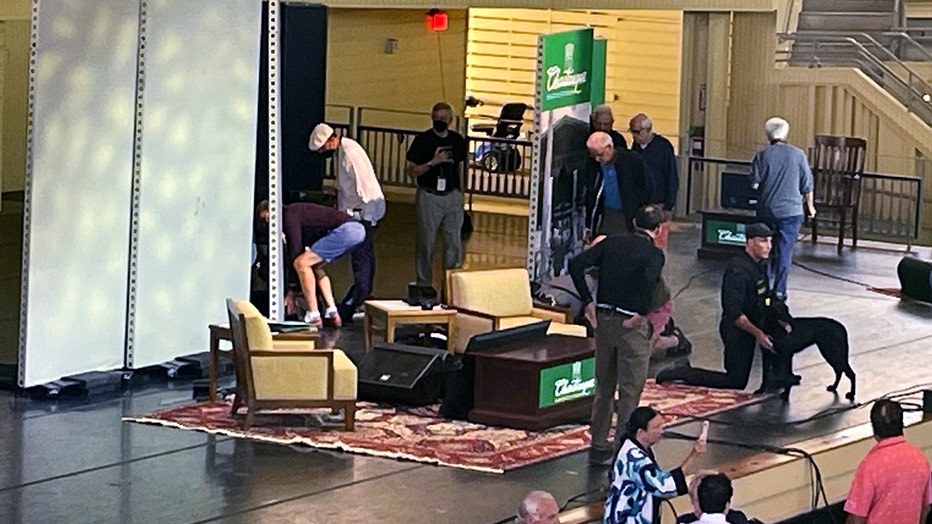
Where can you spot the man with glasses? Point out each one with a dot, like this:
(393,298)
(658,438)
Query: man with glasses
(435,159)
(660,168)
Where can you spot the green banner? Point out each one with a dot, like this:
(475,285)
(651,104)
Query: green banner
(566,70)
(567,382)
(725,233)
(599,55)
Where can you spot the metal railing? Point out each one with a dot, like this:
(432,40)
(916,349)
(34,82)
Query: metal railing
(889,210)
(882,66)
(495,167)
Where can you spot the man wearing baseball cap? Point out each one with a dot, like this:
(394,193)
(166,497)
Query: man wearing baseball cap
(745,290)
(359,196)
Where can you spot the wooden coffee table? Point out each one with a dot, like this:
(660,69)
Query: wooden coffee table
(382,316)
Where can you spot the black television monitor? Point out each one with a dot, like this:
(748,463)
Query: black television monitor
(737,192)
(504,337)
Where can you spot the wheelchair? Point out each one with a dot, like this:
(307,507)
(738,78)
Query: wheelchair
(499,156)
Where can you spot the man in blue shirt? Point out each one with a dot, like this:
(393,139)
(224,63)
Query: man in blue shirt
(781,175)
(615,188)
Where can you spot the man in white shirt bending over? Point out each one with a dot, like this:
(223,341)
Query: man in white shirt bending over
(360,196)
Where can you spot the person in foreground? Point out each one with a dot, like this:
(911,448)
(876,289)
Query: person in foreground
(893,483)
(538,507)
(636,480)
(629,267)
(711,495)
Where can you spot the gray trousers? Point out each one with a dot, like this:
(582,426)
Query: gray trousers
(438,212)
(622,357)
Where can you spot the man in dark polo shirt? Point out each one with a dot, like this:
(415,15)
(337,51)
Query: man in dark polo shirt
(745,289)
(436,158)
(630,268)
(315,236)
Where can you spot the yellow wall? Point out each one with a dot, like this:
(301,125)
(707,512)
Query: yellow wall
(428,66)
(642,69)
(14,80)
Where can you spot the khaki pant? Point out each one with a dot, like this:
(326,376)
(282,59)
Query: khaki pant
(438,212)
(622,357)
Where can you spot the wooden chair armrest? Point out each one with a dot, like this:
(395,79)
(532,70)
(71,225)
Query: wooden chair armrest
(299,335)
(316,353)
(476,313)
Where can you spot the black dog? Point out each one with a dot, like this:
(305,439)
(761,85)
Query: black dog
(792,335)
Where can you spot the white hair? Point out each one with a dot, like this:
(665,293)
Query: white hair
(598,141)
(603,109)
(776,129)
(531,504)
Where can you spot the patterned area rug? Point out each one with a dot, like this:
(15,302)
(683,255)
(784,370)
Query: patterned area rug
(418,434)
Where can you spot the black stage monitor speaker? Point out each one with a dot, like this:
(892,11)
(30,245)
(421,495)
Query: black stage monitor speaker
(915,278)
(737,192)
(401,374)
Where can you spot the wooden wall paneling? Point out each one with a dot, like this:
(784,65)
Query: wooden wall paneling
(361,74)
(751,63)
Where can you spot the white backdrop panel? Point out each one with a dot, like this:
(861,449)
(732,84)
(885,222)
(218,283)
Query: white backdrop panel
(78,228)
(198,171)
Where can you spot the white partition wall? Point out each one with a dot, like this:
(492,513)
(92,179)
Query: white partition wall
(82,71)
(140,175)
(197,172)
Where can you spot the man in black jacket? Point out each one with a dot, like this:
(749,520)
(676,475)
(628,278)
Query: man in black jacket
(630,269)
(616,187)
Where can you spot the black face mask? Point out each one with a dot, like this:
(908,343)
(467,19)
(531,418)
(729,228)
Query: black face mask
(440,126)
(327,153)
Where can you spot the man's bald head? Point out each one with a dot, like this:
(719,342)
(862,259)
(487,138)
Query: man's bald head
(601,147)
(538,507)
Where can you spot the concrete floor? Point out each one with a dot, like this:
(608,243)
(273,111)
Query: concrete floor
(76,461)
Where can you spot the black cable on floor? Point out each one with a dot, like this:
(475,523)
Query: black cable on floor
(830,275)
(816,483)
(690,281)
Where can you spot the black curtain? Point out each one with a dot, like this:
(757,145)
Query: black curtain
(302,88)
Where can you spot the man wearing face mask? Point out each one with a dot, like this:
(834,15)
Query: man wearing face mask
(359,196)
(436,160)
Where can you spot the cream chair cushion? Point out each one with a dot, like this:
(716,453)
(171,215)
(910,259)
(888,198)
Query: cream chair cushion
(274,377)
(497,292)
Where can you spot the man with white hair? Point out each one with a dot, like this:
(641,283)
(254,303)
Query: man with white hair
(781,175)
(538,507)
(359,196)
(615,187)
(603,120)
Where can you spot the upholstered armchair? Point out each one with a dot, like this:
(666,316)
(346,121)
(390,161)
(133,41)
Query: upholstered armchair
(494,299)
(286,371)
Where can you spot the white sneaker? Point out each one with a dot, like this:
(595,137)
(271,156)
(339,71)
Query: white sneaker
(313,318)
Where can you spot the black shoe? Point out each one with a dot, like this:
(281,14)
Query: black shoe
(684,348)
(346,312)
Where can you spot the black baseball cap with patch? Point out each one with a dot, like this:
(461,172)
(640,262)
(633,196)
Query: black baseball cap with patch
(757,230)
